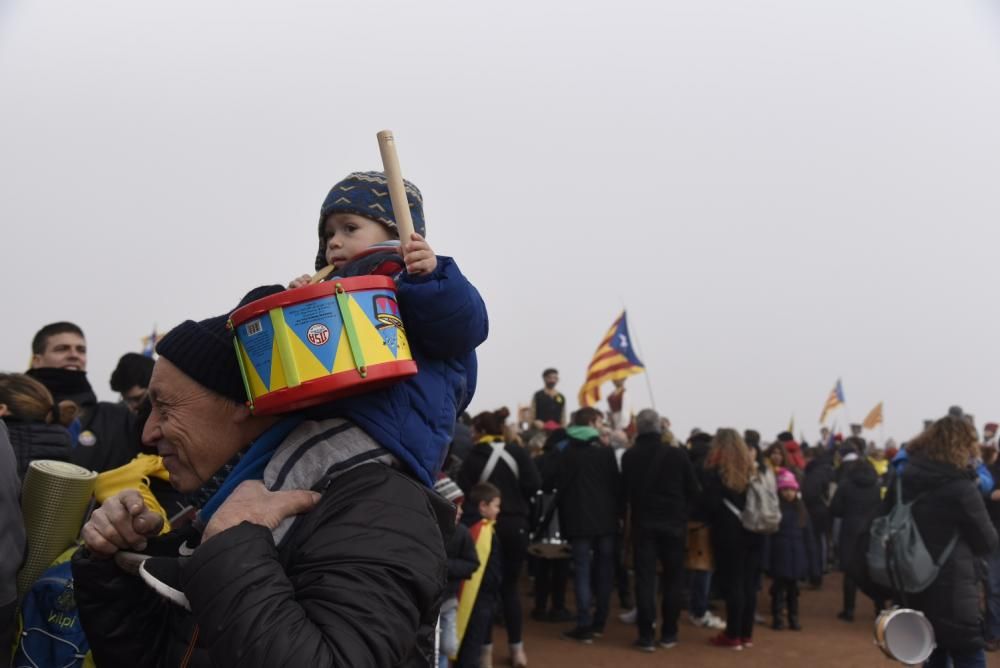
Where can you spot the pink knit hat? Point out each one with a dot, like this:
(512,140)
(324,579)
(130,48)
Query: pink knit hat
(786,480)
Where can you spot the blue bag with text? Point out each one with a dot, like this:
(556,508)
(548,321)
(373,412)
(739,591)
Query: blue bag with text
(50,632)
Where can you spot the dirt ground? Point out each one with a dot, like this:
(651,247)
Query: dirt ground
(824,641)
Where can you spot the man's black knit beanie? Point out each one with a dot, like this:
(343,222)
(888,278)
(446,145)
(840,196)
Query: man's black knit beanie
(204,350)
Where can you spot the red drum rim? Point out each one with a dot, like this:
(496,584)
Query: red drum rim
(308,292)
(345,383)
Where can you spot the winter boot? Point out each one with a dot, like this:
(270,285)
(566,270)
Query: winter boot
(793,610)
(777,608)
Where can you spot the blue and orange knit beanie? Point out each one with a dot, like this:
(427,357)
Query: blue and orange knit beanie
(367,194)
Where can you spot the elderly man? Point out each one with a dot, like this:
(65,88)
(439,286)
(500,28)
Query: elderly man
(318,545)
(661,487)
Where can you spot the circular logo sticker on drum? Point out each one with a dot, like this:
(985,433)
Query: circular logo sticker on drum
(318,334)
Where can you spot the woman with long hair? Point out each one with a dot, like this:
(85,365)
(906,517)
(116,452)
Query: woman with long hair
(507,465)
(37,424)
(729,467)
(940,477)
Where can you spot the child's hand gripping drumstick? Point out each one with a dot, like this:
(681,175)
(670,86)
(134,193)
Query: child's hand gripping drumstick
(417,254)
(306,279)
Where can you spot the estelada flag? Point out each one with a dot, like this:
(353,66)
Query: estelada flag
(468,591)
(835,399)
(149,343)
(874,417)
(614,359)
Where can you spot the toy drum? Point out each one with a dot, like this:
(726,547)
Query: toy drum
(321,342)
(904,635)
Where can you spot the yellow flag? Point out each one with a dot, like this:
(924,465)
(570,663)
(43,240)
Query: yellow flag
(874,418)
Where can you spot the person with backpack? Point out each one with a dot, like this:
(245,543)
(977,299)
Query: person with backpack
(510,468)
(730,473)
(855,502)
(939,489)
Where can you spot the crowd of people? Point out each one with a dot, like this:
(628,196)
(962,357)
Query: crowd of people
(391,528)
(656,518)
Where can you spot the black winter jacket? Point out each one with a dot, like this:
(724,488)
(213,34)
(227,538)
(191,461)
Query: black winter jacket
(993,507)
(589,486)
(113,426)
(857,500)
(489,586)
(787,547)
(357,581)
(516,493)
(462,558)
(952,502)
(728,534)
(660,499)
(816,481)
(38,440)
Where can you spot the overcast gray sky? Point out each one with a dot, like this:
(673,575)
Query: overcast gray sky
(782,192)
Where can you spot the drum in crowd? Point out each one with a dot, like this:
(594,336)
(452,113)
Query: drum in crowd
(321,342)
(904,635)
(546,542)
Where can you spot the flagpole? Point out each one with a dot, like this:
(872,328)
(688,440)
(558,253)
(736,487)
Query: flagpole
(649,383)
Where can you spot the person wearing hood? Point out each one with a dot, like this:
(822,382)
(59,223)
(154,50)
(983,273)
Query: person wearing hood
(591,507)
(855,502)
(940,482)
(103,437)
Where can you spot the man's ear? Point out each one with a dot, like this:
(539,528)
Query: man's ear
(4,410)
(36,359)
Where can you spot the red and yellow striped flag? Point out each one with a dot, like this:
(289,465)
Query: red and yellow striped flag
(468,591)
(614,359)
(835,399)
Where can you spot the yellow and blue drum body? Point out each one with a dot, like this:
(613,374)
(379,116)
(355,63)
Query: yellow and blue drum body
(317,343)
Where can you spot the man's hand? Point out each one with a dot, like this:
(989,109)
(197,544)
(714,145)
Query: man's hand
(418,256)
(121,523)
(252,502)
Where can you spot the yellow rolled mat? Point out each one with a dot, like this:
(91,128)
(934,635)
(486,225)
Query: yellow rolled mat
(54,499)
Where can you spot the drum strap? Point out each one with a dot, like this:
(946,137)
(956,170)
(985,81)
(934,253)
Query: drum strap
(499,452)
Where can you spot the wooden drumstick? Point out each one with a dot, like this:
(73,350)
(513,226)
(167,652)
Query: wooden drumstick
(397,191)
(321,274)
